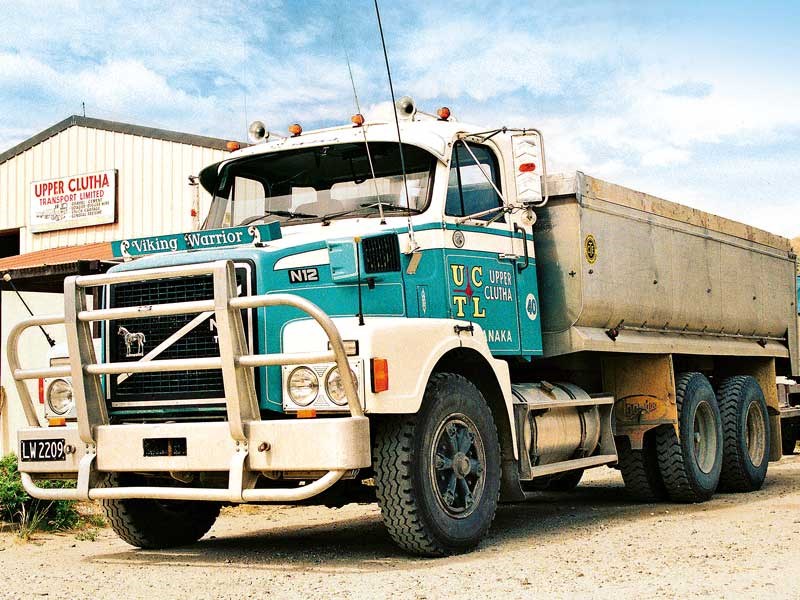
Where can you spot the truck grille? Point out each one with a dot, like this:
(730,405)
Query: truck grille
(169,395)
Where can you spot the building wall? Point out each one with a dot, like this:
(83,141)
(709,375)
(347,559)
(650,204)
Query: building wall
(153,195)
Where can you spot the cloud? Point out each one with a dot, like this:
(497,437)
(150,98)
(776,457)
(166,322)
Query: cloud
(690,89)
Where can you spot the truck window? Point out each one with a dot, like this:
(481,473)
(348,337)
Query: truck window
(468,191)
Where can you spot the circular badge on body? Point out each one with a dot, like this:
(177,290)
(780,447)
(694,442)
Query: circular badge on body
(531,307)
(590,249)
(458,239)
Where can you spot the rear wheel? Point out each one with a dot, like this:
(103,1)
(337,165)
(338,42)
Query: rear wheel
(640,470)
(566,482)
(690,465)
(789,439)
(437,473)
(745,434)
(157,523)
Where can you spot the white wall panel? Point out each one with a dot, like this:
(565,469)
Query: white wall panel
(153,195)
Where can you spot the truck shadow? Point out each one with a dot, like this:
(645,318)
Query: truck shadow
(360,544)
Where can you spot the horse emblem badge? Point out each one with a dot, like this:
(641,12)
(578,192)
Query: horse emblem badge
(134,342)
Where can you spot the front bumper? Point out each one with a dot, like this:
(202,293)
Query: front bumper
(272,447)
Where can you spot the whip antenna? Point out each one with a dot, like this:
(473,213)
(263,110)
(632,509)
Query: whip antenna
(364,131)
(411,240)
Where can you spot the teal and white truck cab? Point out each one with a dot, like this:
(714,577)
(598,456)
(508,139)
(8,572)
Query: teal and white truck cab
(363,318)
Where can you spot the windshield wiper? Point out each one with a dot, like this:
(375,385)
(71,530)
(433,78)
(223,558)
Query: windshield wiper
(370,205)
(277,213)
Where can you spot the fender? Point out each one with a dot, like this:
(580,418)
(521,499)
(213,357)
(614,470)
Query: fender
(412,348)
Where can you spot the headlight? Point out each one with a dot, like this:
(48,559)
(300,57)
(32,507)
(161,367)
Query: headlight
(59,396)
(303,386)
(335,388)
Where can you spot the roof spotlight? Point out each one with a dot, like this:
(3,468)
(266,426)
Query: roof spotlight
(258,132)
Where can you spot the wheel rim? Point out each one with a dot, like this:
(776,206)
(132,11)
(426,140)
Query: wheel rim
(756,433)
(705,437)
(458,464)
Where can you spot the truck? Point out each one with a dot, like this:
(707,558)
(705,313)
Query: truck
(413,311)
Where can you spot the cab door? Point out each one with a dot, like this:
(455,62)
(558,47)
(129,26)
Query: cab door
(480,268)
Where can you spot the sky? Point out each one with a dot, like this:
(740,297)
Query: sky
(697,102)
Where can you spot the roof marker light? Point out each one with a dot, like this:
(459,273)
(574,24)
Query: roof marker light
(232,146)
(295,129)
(443,113)
(357,119)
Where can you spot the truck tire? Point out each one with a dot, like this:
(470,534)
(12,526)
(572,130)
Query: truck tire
(157,523)
(745,434)
(566,482)
(788,439)
(691,466)
(640,471)
(437,472)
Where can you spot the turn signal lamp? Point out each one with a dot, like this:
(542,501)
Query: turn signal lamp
(527,167)
(232,146)
(41,391)
(380,375)
(357,119)
(57,422)
(443,113)
(295,129)
(309,413)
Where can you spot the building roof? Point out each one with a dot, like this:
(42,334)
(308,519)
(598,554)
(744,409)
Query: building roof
(45,270)
(116,127)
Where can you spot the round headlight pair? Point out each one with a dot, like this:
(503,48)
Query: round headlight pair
(303,386)
(59,396)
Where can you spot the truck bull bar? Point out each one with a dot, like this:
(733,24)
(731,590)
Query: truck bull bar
(346,438)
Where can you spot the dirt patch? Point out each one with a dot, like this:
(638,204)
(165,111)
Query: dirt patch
(591,542)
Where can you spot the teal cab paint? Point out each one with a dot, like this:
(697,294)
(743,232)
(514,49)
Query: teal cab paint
(330,219)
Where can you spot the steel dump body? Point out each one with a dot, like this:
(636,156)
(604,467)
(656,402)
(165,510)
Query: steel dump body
(623,271)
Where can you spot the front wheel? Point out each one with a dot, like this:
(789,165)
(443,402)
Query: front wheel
(437,473)
(157,523)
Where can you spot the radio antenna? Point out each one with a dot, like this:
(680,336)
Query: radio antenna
(10,282)
(363,131)
(411,240)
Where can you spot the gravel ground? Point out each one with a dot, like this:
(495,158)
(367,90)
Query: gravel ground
(589,543)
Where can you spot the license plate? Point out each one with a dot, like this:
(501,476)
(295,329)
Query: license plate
(41,450)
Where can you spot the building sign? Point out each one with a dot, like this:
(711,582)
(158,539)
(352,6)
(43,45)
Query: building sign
(197,240)
(73,201)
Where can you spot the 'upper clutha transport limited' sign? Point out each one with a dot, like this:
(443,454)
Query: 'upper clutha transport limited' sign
(73,201)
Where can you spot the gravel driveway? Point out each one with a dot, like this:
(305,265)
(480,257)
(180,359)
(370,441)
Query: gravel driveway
(590,543)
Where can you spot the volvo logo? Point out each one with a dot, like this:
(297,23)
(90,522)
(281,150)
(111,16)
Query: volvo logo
(134,342)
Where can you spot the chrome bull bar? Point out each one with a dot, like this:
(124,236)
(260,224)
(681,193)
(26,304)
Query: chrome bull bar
(234,361)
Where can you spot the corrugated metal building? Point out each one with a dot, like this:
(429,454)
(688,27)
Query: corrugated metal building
(43,237)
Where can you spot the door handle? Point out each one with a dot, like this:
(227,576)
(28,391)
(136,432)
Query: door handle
(526,264)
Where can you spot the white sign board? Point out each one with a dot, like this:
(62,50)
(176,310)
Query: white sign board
(73,201)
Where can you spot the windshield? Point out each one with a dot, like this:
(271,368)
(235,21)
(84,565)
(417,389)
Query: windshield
(324,182)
